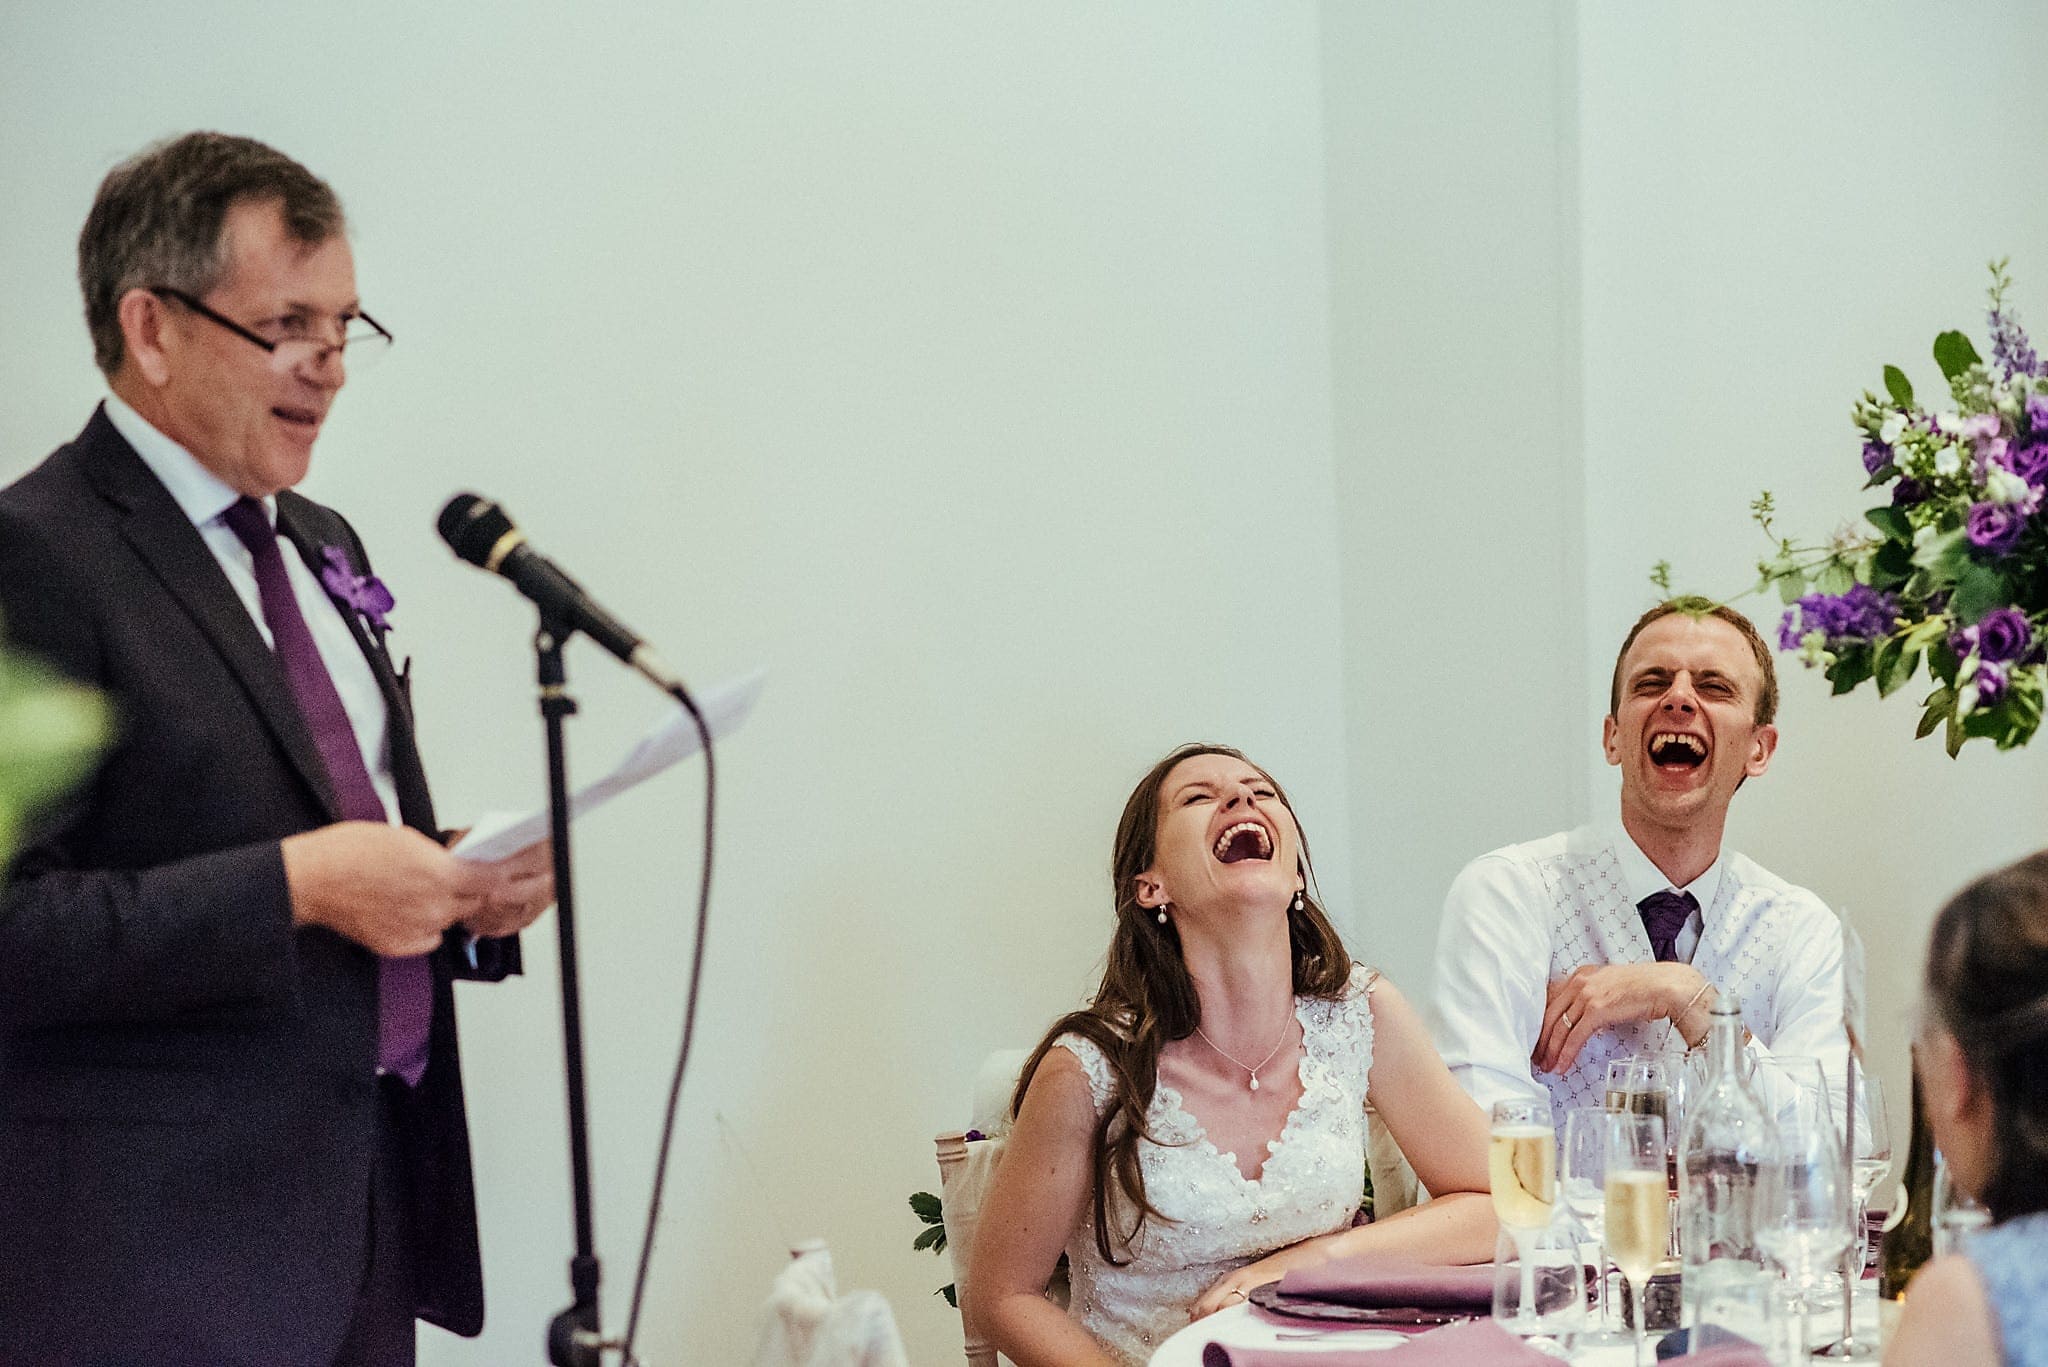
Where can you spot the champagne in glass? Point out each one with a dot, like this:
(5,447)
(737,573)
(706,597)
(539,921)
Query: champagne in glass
(1638,1222)
(1638,1215)
(1522,1161)
(1522,1165)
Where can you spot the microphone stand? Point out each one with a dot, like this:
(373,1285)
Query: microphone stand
(574,1339)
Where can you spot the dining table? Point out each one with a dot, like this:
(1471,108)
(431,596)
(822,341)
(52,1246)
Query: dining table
(1247,1326)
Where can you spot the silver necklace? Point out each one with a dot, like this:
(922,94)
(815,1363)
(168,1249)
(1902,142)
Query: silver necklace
(1253,1069)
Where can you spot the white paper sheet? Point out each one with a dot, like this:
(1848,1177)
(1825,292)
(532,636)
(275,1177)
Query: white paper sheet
(671,740)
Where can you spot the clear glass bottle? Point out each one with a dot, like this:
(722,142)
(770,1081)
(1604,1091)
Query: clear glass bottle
(1727,1134)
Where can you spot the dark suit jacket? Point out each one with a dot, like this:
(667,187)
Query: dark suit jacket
(187,1095)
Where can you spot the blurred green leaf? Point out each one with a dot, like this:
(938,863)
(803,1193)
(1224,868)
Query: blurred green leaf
(927,1206)
(1938,704)
(50,733)
(1979,589)
(1898,386)
(1852,668)
(1891,523)
(1835,579)
(1893,664)
(1954,354)
(933,1238)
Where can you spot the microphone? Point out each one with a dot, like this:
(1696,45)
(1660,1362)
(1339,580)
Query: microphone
(482,533)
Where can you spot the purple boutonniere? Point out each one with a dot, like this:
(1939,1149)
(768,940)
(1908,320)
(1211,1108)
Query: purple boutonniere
(362,593)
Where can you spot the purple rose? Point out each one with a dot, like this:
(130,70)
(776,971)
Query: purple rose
(2037,412)
(2030,462)
(1876,455)
(1995,527)
(1908,492)
(1990,683)
(2003,636)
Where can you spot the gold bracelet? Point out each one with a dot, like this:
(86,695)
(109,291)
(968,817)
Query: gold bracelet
(1683,1010)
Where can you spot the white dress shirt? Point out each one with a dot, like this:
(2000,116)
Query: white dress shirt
(205,498)
(1520,917)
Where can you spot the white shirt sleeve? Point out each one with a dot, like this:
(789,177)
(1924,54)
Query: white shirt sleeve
(1807,1020)
(1492,969)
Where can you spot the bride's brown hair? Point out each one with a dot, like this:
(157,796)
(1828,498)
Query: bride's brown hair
(1148,999)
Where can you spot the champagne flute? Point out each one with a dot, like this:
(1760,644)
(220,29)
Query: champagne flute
(1638,1215)
(1801,1214)
(1582,1177)
(1522,1164)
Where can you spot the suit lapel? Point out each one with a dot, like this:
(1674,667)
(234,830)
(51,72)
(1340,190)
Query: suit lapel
(313,529)
(167,542)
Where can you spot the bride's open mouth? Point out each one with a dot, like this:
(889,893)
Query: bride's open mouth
(1245,840)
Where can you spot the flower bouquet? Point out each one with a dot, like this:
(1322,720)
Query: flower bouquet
(1954,568)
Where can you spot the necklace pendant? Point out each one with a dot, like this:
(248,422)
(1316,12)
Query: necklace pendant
(1255,1082)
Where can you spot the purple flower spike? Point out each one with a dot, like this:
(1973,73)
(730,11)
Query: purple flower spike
(1853,618)
(1994,527)
(363,594)
(2003,636)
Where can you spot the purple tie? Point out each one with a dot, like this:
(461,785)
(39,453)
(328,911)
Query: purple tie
(405,987)
(1664,915)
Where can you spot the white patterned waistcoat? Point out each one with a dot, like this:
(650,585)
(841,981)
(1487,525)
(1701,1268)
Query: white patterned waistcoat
(1747,937)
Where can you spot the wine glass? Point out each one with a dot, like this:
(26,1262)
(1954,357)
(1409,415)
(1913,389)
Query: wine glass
(1522,1165)
(1801,1212)
(1582,1177)
(1873,1160)
(1637,1221)
(1954,1213)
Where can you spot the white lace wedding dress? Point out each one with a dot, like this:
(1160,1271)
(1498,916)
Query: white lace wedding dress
(1220,1220)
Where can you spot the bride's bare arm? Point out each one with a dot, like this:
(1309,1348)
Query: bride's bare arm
(1040,1193)
(1441,1130)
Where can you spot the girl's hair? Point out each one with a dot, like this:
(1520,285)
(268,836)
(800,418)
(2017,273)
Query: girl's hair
(1147,999)
(1987,983)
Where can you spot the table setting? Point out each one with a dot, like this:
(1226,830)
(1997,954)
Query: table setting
(1681,1221)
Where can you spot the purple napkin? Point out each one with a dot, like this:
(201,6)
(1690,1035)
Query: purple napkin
(1383,1282)
(1727,1355)
(1474,1343)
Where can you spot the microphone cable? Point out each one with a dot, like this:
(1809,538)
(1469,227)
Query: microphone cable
(675,1087)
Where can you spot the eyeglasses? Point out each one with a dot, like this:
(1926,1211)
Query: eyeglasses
(362,338)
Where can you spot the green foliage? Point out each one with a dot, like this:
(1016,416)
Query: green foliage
(929,1209)
(1954,354)
(1898,386)
(50,733)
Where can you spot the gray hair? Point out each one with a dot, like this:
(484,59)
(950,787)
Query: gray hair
(156,222)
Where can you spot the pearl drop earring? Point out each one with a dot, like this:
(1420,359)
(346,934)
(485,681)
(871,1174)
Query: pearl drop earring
(1297,899)
(1162,916)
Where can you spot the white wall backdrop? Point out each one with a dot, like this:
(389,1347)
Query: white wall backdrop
(1031,389)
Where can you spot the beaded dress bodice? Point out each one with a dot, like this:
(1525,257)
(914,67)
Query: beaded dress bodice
(1220,1220)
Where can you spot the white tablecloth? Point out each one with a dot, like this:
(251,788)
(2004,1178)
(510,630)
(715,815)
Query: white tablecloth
(1241,1326)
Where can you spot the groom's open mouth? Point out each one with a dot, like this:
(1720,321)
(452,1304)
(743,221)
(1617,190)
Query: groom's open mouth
(1677,750)
(1245,840)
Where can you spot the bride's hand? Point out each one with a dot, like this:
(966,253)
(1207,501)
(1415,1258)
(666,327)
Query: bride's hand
(1234,1287)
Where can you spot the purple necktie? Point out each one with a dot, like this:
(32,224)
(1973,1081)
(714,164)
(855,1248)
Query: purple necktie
(405,987)
(1664,915)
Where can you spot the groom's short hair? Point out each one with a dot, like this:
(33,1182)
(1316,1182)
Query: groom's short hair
(1767,695)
